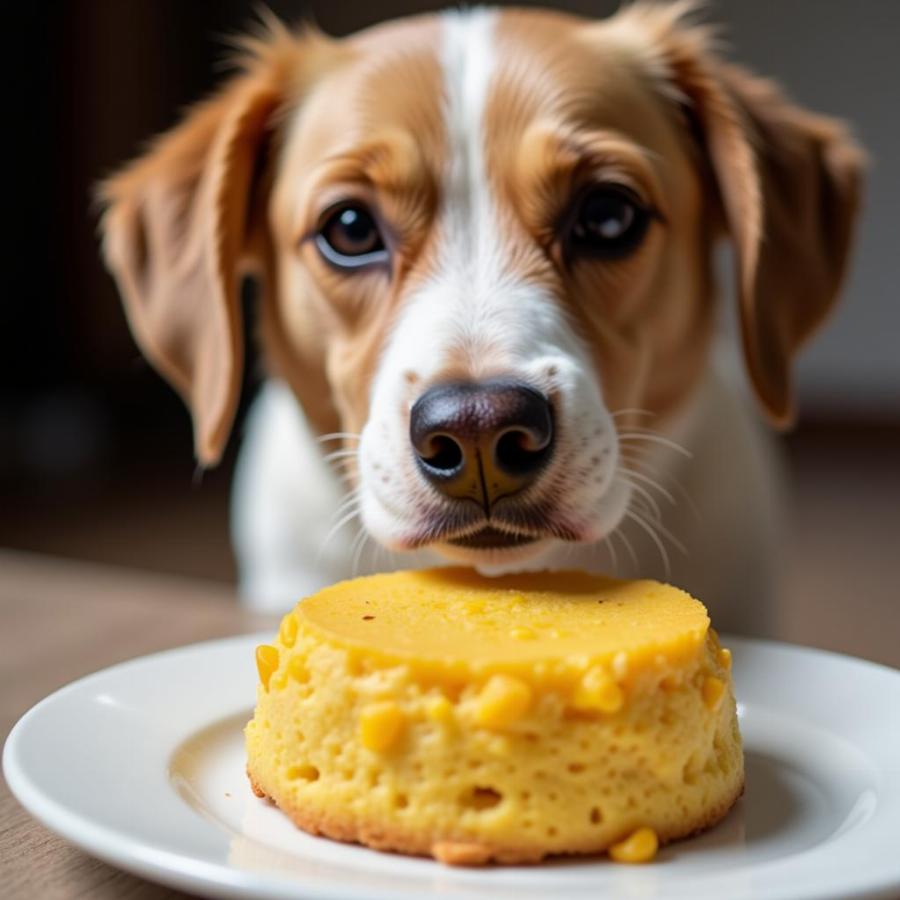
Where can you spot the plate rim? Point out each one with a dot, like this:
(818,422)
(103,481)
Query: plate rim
(188,872)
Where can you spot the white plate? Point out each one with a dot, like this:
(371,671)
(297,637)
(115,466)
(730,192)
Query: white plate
(142,765)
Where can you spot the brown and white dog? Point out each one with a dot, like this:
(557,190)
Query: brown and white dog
(485,245)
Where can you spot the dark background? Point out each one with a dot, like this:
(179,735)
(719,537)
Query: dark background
(95,451)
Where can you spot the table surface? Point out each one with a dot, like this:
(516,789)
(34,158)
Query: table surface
(62,619)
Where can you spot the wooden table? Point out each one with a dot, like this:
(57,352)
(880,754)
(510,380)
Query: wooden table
(60,620)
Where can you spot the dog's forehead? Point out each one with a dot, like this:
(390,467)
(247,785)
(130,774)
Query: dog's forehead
(387,78)
(576,73)
(488,73)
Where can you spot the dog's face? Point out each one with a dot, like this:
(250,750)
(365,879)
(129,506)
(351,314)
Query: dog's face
(486,242)
(525,210)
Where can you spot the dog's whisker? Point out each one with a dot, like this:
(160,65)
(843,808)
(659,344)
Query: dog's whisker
(344,469)
(391,558)
(346,480)
(688,499)
(357,540)
(638,461)
(373,555)
(642,523)
(343,453)
(640,507)
(646,479)
(629,547)
(613,556)
(631,412)
(666,533)
(382,553)
(644,429)
(344,508)
(662,530)
(675,484)
(351,502)
(338,436)
(342,462)
(344,520)
(645,494)
(359,544)
(655,439)
(345,477)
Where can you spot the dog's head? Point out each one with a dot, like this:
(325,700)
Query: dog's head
(484,240)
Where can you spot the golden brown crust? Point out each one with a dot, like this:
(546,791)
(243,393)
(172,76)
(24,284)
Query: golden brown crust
(462,852)
(256,790)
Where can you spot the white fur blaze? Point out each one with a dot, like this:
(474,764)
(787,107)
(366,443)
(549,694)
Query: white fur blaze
(474,309)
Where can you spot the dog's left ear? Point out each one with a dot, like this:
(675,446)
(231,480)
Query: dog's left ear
(789,184)
(176,230)
(173,235)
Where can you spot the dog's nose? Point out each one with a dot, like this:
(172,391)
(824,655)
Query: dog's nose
(481,440)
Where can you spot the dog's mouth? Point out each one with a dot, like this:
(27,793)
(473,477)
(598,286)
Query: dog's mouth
(516,531)
(489,538)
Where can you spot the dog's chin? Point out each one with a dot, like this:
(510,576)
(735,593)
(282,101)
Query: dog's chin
(501,557)
(496,546)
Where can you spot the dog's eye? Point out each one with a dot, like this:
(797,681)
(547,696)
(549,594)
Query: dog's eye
(609,222)
(349,237)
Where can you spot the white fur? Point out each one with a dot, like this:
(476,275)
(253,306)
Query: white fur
(475,304)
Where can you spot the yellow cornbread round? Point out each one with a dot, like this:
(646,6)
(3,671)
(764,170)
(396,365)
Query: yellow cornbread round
(496,719)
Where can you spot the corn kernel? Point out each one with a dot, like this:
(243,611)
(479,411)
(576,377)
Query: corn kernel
(287,634)
(499,746)
(474,606)
(266,663)
(724,658)
(278,682)
(639,847)
(297,669)
(439,709)
(713,688)
(670,682)
(598,691)
(522,633)
(620,665)
(380,725)
(502,701)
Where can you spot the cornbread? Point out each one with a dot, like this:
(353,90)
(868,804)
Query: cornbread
(504,719)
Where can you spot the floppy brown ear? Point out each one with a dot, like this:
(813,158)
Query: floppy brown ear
(789,184)
(791,203)
(174,231)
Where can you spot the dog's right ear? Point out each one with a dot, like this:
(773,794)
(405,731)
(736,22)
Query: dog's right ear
(175,235)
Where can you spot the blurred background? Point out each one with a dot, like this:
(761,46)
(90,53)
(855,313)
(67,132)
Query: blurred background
(95,450)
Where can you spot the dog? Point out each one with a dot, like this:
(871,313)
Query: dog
(485,246)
